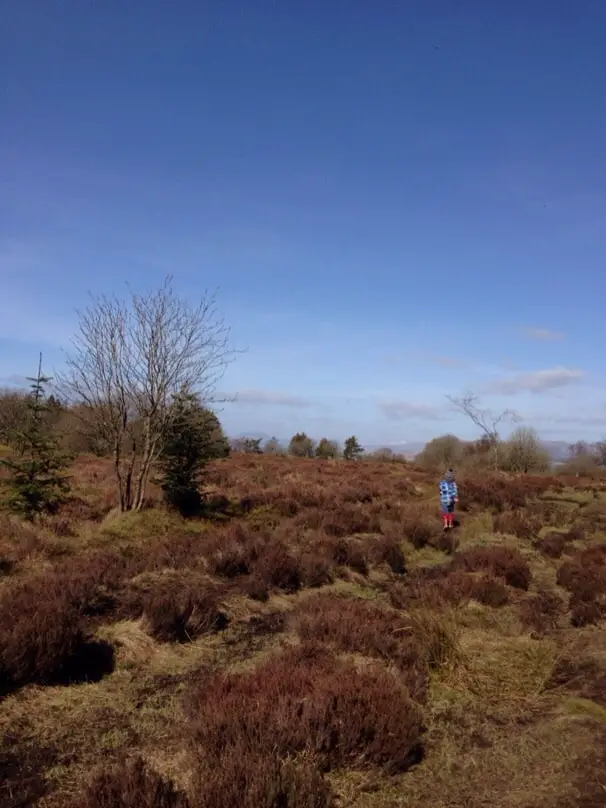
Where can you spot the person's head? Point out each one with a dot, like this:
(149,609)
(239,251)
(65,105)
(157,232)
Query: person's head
(449,476)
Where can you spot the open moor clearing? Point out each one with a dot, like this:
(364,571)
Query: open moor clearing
(315,640)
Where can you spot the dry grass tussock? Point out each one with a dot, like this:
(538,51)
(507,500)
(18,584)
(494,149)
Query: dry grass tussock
(313,640)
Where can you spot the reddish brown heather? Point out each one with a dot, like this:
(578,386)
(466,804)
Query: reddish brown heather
(387,550)
(499,561)
(255,779)
(419,529)
(516,523)
(43,635)
(542,611)
(584,576)
(129,785)
(181,608)
(356,626)
(499,492)
(305,700)
(233,551)
(552,544)
(348,519)
(440,586)
(350,553)
(433,587)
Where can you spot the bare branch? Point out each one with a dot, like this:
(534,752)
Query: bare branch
(129,360)
(486,420)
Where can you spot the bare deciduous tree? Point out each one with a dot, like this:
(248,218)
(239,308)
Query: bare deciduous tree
(525,453)
(487,420)
(129,360)
(600,448)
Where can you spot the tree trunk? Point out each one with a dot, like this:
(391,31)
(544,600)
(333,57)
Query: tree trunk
(118,470)
(149,448)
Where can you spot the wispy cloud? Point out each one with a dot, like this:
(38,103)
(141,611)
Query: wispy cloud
(267,398)
(14,380)
(542,334)
(434,359)
(407,410)
(540,381)
(448,361)
(594,418)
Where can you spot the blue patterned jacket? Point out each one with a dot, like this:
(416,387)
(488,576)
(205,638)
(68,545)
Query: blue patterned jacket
(448,492)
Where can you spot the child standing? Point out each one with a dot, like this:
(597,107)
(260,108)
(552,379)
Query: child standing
(449,495)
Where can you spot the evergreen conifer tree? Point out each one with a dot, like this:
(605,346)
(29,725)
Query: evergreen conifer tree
(352,449)
(37,482)
(193,437)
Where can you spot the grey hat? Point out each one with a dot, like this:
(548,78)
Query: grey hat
(449,476)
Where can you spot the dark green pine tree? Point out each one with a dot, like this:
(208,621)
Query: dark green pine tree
(194,437)
(36,482)
(352,449)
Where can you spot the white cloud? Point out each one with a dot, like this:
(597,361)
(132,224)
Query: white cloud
(590,419)
(543,334)
(14,380)
(405,410)
(268,398)
(540,381)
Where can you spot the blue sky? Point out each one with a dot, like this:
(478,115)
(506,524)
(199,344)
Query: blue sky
(397,201)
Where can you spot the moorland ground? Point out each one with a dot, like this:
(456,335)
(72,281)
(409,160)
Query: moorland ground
(313,640)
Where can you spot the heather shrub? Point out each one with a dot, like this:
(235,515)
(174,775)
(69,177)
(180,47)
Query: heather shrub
(356,626)
(576,533)
(350,553)
(179,609)
(277,568)
(175,552)
(348,520)
(584,576)
(43,636)
(131,784)
(306,700)
(441,587)
(233,551)
(501,562)
(552,544)
(541,611)
(516,523)
(586,570)
(496,492)
(316,570)
(249,779)
(386,550)
(490,591)
(40,631)
(431,587)
(586,613)
(586,677)
(420,530)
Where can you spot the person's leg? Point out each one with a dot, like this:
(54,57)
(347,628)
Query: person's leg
(445,519)
(451,515)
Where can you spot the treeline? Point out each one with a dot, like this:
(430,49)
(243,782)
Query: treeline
(521,452)
(301,445)
(79,430)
